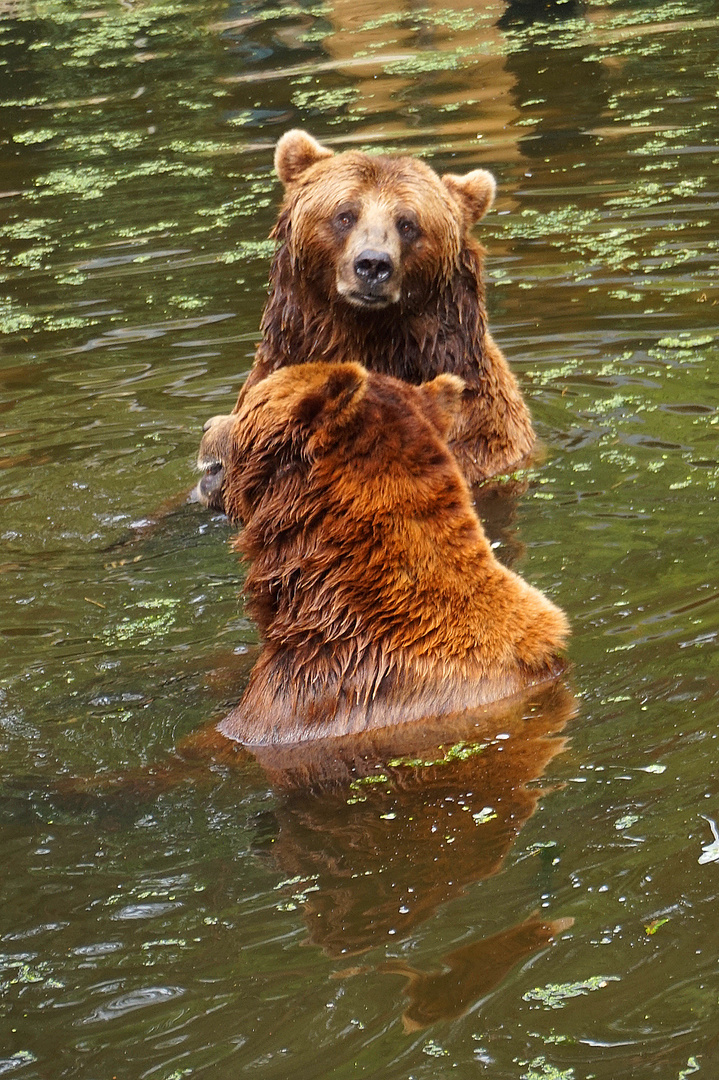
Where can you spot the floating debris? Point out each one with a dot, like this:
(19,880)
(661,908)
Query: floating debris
(710,852)
(652,927)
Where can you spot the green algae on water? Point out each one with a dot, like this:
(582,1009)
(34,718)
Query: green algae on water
(555,995)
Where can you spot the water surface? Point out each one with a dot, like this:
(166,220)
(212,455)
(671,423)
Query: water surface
(399,929)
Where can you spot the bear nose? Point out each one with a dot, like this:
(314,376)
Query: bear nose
(373,267)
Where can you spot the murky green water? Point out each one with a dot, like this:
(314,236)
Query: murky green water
(219,928)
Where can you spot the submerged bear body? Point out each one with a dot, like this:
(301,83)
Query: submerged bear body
(376,593)
(377,266)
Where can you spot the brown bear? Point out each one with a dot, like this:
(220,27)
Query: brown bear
(376,593)
(377,265)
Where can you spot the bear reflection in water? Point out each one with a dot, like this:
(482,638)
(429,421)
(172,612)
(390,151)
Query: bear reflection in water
(373,832)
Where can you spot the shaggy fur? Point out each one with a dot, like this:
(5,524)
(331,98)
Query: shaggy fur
(377,265)
(376,593)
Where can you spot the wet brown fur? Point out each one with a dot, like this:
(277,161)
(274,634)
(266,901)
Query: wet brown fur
(374,588)
(437,325)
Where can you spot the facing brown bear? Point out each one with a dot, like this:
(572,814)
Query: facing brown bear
(376,593)
(377,265)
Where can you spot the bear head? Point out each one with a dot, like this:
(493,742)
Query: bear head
(301,414)
(369,229)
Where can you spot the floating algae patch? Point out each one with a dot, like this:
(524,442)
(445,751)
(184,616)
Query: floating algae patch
(162,167)
(325,100)
(13,318)
(16,971)
(540,1069)
(100,143)
(460,752)
(202,146)
(361,784)
(644,194)
(580,231)
(661,142)
(33,258)
(243,252)
(67,322)
(364,781)
(685,341)
(189,303)
(533,225)
(292,11)
(30,138)
(299,896)
(426,63)
(463,751)
(88,182)
(147,628)
(555,995)
(134,232)
(28,229)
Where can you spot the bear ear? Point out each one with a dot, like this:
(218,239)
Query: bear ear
(440,400)
(475,192)
(294,154)
(333,399)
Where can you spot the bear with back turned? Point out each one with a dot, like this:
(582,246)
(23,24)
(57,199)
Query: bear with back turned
(377,265)
(376,593)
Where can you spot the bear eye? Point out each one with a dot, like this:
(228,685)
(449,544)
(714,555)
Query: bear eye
(345,219)
(407,229)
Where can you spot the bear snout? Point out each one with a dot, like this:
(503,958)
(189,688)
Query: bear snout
(208,491)
(214,451)
(373,267)
(370,277)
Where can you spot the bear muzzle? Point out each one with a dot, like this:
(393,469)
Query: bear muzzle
(369,269)
(208,490)
(213,449)
(370,280)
